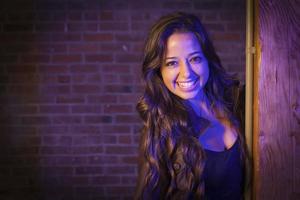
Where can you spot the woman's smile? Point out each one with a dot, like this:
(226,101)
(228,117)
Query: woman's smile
(188,85)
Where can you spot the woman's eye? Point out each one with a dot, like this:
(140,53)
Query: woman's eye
(171,63)
(196,59)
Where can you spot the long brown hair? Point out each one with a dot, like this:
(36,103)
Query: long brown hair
(167,133)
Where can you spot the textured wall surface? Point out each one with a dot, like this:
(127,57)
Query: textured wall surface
(277,136)
(69,82)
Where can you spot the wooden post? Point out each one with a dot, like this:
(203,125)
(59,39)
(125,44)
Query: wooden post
(276,100)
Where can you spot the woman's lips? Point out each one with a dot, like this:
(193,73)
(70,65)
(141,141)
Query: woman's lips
(187,85)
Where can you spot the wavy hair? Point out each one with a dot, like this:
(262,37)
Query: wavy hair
(167,132)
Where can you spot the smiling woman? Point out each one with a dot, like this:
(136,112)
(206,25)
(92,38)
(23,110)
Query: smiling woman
(192,144)
(185,71)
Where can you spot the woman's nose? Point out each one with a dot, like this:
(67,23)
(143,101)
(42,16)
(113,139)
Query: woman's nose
(185,69)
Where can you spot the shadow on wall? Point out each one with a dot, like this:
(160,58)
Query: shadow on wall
(20,120)
(68,91)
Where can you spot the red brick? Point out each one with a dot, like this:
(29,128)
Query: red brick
(70,99)
(103,159)
(56,89)
(87,88)
(37,120)
(65,140)
(80,140)
(53,170)
(91,16)
(74,15)
(106,15)
(118,88)
(53,129)
(113,47)
(106,180)
(129,180)
(98,37)
(84,68)
(100,99)
(110,78)
(116,68)
(124,139)
(83,192)
(67,58)
(113,26)
(66,37)
(87,141)
(98,58)
(86,109)
(54,109)
(130,159)
(63,79)
(118,108)
(79,160)
(116,129)
(235,27)
(119,170)
(128,58)
(83,47)
(124,78)
(120,190)
(215,27)
(110,139)
(85,129)
(125,37)
(120,150)
(50,27)
(67,119)
(97,119)
(53,68)
(139,26)
(94,78)
(79,27)
(84,150)
(49,48)
(226,36)
(58,16)
(22,109)
(55,150)
(128,98)
(88,170)
(210,17)
(49,140)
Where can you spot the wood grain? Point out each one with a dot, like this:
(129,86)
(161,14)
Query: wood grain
(278,163)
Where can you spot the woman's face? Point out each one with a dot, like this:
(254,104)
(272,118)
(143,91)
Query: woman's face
(185,69)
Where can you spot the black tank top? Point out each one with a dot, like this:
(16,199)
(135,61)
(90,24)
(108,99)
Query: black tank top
(223,174)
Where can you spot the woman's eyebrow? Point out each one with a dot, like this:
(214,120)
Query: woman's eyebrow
(195,52)
(170,58)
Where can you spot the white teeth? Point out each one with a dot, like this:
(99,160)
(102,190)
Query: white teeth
(186,84)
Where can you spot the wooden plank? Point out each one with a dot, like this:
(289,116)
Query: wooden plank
(278,81)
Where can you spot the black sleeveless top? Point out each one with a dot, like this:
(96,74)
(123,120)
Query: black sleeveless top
(223,174)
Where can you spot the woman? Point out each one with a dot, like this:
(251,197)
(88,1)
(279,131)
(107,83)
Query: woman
(192,144)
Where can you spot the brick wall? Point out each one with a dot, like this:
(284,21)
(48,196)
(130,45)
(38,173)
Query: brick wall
(69,82)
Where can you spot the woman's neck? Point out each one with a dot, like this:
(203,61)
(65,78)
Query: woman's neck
(201,106)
